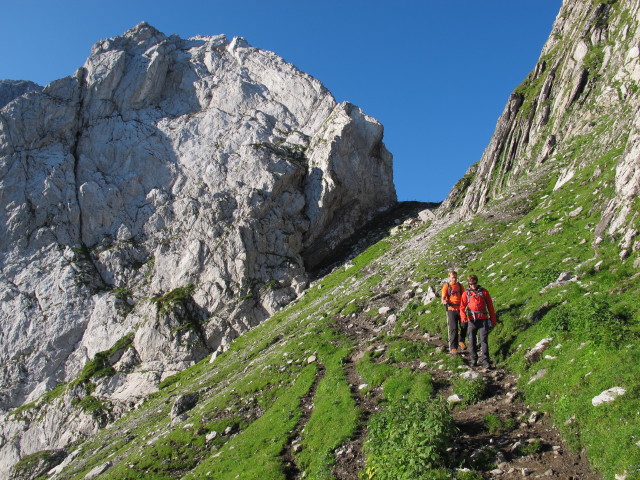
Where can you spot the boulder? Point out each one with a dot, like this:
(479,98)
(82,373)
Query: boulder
(608,396)
(535,354)
(183,404)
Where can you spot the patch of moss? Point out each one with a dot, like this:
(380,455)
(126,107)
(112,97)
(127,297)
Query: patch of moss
(100,365)
(176,296)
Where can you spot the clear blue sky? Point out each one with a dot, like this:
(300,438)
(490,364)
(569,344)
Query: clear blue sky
(437,74)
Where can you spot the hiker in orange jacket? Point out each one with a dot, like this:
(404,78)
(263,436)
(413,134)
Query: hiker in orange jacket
(451,295)
(476,310)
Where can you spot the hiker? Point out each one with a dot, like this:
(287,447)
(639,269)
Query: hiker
(451,295)
(476,310)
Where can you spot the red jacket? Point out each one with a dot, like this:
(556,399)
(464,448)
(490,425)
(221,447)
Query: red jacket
(466,315)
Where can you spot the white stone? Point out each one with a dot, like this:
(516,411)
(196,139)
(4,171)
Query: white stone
(563,179)
(99,470)
(580,51)
(429,296)
(426,215)
(608,396)
(539,374)
(576,212)
(535,353)
(470,375)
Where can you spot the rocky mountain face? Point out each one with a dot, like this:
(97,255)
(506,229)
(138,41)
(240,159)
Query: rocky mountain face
(584,89)
(10,89)
(192,217)
(172,192)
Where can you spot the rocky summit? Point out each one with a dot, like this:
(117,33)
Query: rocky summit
(183,295)
(178,189)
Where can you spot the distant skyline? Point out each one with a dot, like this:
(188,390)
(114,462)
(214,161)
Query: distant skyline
(436,74)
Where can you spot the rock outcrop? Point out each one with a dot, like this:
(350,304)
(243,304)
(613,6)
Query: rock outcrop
(177,188)
(582,92)
(12,89)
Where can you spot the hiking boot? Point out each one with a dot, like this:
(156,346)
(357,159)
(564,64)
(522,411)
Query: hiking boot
(473,363)
(486,364)
(453,352)
(462,346)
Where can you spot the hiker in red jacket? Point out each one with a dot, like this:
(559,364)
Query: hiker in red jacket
(476,310)
(451,295)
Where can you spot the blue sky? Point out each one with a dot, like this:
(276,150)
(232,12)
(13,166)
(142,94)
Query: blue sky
(437,74)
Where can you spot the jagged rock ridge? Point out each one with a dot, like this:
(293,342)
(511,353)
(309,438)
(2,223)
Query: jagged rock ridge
(176,188)
(583,88)
(11,89)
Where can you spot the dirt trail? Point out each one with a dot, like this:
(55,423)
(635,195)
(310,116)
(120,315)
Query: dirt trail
(291,470)
(526,446)
(521,444)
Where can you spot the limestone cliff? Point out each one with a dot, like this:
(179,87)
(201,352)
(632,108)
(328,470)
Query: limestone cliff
(583,90)
(178,189)
(11,89)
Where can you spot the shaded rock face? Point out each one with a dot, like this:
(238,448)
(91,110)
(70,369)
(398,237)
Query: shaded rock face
(178,187)
(583,91)
(11,89)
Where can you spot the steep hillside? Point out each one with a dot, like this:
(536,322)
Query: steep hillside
(353,376)
(352,380)
(578,105)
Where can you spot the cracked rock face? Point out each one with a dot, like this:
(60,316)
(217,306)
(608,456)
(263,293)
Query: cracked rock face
(181,188)
(587,74)
(12,89)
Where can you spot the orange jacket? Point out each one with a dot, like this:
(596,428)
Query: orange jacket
(452,295)
(465,315)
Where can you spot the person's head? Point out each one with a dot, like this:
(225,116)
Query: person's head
(453,276)
(473,280)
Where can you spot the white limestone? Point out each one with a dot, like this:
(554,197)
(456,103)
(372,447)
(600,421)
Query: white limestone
(165,163)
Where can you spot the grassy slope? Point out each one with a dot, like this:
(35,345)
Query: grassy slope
(257,386)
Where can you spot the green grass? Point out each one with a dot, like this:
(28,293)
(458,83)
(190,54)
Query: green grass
(100,365)
(470,390)
(258,386)
(333,421)
(256,453)
(176,296)
(494,424)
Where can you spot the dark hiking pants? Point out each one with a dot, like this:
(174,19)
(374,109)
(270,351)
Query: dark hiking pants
(479,330)
(453,321)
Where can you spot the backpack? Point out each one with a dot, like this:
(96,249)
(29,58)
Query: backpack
(454,295)
(476,305)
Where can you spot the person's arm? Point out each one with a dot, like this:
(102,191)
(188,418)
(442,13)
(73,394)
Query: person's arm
(463,308)
(492,312)
(445,294)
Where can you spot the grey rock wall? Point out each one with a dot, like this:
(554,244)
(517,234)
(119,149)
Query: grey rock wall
(178,188)
(583,88)
(12,89)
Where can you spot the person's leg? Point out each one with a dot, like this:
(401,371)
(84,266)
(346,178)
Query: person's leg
(452,323)
(473,348)
(484,344)
(463,332)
